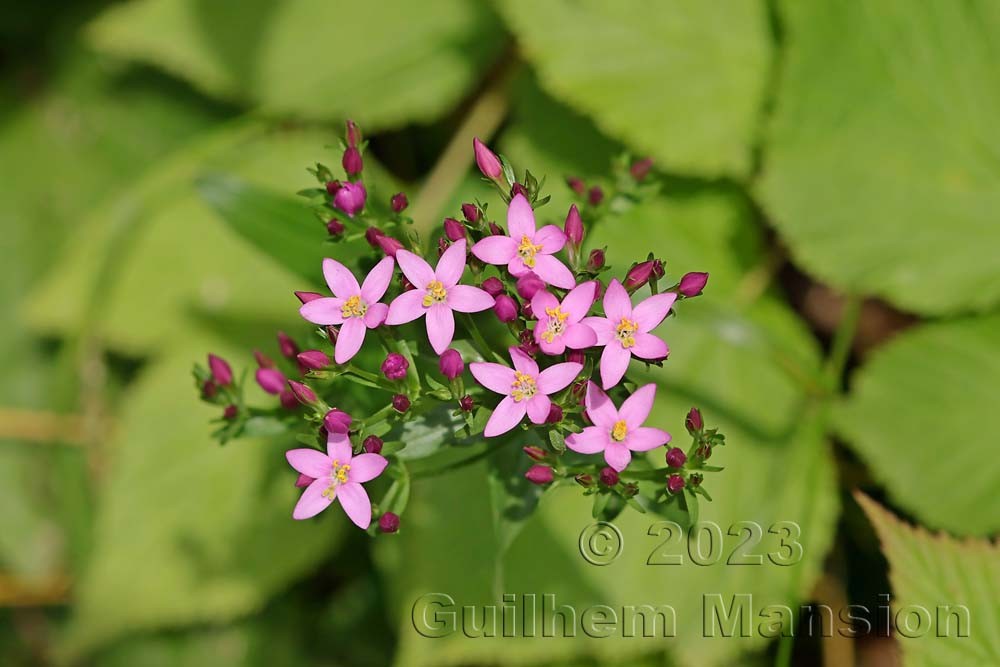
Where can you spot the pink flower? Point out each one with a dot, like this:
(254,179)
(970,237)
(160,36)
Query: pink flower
(525,390)
(620,432)
(356,308)
(559,324)
(338,475)
(437,294)
(527,249)
(350,198)
(624,331)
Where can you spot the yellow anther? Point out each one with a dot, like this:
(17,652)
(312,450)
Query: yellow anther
(625,332)
(556,324)
(527,251)
(354,307)
(619,431)
(524,387)
(436,293)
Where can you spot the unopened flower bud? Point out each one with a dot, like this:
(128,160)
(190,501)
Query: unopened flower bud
(584,480)
(389,245)
(332,333)
(303,393)
(576,185)
(466,403)
(287,346)
(640,168)
(288,400)
(693,283)
(518,189)
(388,522)
(675,484)
(304,480)
(333,187)
(470,212)
(270,380)
(230,412)
(372,235)
(399,202)
(539,475)
(638,275)
(693,421)
(395,366)
(222,374)
(536,453)
(505,308)
(487,161)
(704,452)
(595,262)
(528,285)
(555,414)
(400,403)
(528,344)
(527,311)
(353,133)
(578,390)
(350,198)
(373,444)
(696,479)
(209,389)
(595,196)
(658,269)
(337,421)
(334,227)
(493,286)
(575,356)
(313,360)
(574,226)
(676,457)
(609,476)
(453,229)
(306,297)
(352,162)
(451,364)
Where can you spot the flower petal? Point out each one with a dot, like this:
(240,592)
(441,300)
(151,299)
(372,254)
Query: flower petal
(551,238)
(635,409)
(614,363)
(312,501)
(468,299)
(579,336)
(520,218)
(602,326)
(340,279)
(377,281)
(579,300)
(556,347)
(324,311)
(354,499)
(440,327)
(542,300)
(517,267)
(644,438)
(617,303)
(522,362)
(366,467)
(406,307)
(648,346)
(538,408)
(556,378)
(554,272)
(451,266)
(415,268)
(376,314)
(506,416)
(352,336)
(650,312)
(617,455)
(495,249)
(495,377)
(309,462)
(590,440)
(600,409)
(338,447)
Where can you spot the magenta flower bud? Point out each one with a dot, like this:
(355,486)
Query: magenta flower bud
(693,421)
(270,380)
(595,196)
(333,187)
(640,168)
(337,421)
(676,457)
(303,393)
(470,212)
(576,185)
(693,283)
(263,360)
(495,229)
(400,403)
(352,161)
(609,476)
(527,342)
(555,414)
(451,363)
(466,403)
(539,475)
(518,189)
(595,262)
(405,284)
(306,297)
(332,333)
(388,522)
(287,346)
(528,311)
(304,480)
(536,453)
(505,308)
(487,161)
(658,269)
(575,356)
(334,227)
(574,226)
(288,400)
(584,480)
(453,229)
(395,366)
(493,286)
(222,374)
(373,444)
(638,275)
(529,285)
(230,412)
(399,202)
(388,245)
(443,245)
(372,235)
(313,360)
(675,484)
(350,198)
(209,389)
(353,133)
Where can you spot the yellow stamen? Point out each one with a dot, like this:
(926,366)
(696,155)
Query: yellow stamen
(354,307)
(625,332)
(619,431)
(556,324)
(527,250)
(524,387)
(338,476)
(436,293)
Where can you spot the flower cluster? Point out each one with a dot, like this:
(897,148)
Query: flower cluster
(533,314)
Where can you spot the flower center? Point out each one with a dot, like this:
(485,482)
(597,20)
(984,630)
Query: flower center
(619,430)
(527,250)
(354,307)
(625,332)
(556,324)
(436,293)
(338,475)
(524,386)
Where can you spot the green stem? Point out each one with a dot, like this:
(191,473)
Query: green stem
(840,349)
(477,337)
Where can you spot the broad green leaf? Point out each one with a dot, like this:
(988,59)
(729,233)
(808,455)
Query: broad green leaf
(880,167)
(313,58)
(946,593)
(682,81)
(922,414)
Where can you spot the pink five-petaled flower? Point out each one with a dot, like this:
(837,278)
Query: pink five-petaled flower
(527,249)
(337,475)
(619,432)
(624,331)
(525,390)
(355,307)
(437,294)
(559,324)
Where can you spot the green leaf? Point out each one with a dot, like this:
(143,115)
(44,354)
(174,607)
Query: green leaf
(683,81)
(883,150)
(952,587)
(513,498)
(921,414)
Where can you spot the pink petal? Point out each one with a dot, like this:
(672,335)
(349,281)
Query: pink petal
(554,272)
(354,499)
(322,311)
(377,281)
(440,327)
(614,363)
(579,336)
(495,377)
(522,362)
(600,409)
(376,314)
(551,238)
(579,300)
(309,462)
(468,299)
(650,312)
(591,440)
(416,270)
(520,218)
(406,307)
(617,455)
(495,249)
(558,377)
(352,336)
(451,265)
(617,303)
(644,438)
(538,408)
(517,267)
(543,299)
(635,409)
(366,467)
(338,447)
(602,326)
(312,501)
(340,280)
(648,346)
(506,416)
(556,347)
